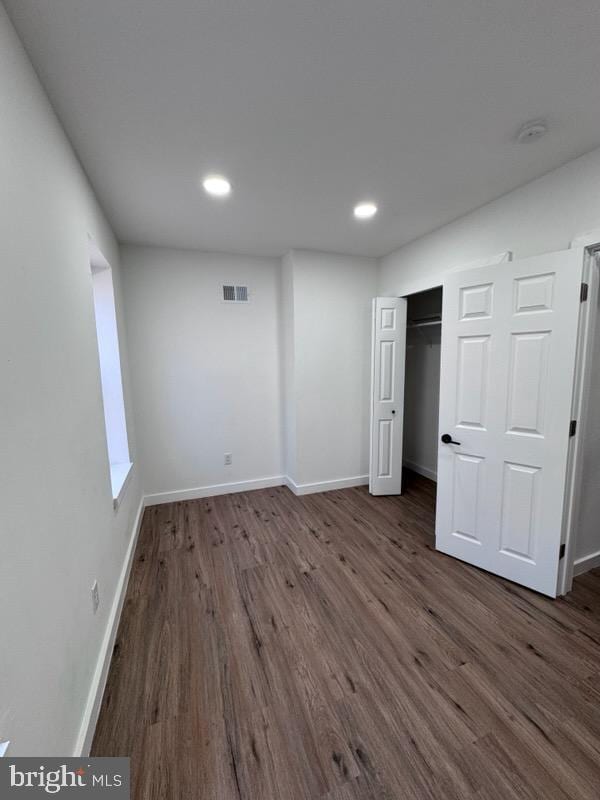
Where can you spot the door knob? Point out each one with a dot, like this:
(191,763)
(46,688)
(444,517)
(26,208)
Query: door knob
(447,439)
(393,410)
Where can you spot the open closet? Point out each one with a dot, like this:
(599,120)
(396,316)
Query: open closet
(422,382)
(475,391)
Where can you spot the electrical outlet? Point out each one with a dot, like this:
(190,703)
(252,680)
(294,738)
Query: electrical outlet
(228,459)
(95,597)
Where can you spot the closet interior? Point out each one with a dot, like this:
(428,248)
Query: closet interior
(422,382)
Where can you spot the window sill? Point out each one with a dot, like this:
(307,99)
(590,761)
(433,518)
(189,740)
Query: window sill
(119,477)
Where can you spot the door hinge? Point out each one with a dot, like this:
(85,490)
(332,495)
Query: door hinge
(573,427)
(584,292)
(561,552)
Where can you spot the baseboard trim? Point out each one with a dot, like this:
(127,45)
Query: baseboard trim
(94,701)
(214,490)
(326,486)
(424,471)
(586,563)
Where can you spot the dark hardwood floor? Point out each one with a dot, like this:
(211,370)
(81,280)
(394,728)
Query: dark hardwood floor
(317,647)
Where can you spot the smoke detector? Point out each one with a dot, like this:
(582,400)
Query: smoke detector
(532,130)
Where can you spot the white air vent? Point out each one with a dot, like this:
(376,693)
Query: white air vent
(235,294)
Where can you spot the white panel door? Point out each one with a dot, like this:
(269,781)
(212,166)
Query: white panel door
(509,336)
(387,394)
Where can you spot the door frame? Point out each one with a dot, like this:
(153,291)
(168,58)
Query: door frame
(588,319)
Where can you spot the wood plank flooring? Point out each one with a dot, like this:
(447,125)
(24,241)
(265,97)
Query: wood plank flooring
(275,647)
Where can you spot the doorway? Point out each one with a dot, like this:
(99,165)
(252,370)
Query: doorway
(422,382)
(583,545)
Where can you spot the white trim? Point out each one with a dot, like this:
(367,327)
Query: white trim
(212,491)
(372,391)
(326,486)
(94,701)
(586,563)
(587,239)
(424,471)
(431,282)
(119,478)
(96,261)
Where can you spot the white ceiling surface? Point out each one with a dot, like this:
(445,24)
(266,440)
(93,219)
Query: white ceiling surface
(309,106)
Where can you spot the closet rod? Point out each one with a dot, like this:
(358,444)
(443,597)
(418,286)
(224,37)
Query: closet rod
(424,323)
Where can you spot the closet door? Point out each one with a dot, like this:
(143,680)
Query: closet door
(387,394)
(509,335)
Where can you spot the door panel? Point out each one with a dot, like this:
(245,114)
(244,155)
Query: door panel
(528,377)
(386,445)
(467,489)
(509,335)
(520,496)
(387,356)
(387,394)
(473,381)
(534,294)
(476,302)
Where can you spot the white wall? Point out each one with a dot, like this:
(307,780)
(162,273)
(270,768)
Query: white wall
(329,409)
(282,383)
(58,531)
(541,216)
(206,375)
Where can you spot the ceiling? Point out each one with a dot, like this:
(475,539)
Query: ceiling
(310,106)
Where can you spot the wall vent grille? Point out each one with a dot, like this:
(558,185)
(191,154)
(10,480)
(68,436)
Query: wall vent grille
(235,294)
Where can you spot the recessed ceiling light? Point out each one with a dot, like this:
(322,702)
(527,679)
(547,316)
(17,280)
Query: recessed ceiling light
(216,185)
(531,130)
(365,210)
